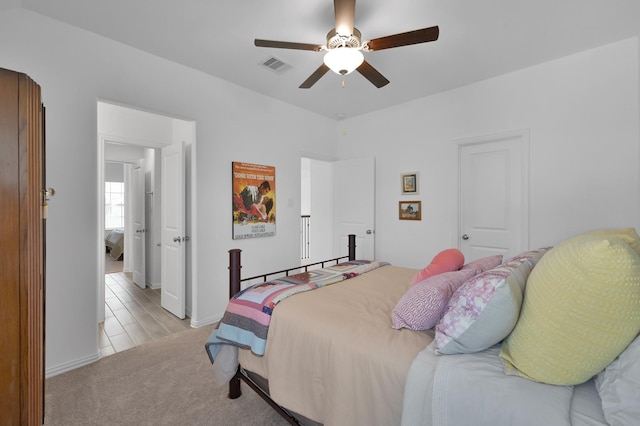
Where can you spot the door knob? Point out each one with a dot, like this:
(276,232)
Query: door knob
(465,237)
(177,239)
(49,192)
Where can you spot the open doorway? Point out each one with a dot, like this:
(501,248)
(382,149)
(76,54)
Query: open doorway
(135,141)
(337,199)
(114,217)
(316,210)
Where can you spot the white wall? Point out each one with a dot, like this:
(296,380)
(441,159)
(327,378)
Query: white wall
(122,153)
(113,172)
(75,69)
(583,116)
(305,186)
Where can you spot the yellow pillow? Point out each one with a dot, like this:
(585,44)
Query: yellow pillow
(581,310)
(629,235)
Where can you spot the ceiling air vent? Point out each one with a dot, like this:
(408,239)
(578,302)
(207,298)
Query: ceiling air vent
(276,65)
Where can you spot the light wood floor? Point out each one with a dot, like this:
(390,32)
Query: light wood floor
(133,316)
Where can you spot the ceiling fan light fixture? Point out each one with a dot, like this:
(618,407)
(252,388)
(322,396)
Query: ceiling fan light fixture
(344,46)
(343,60)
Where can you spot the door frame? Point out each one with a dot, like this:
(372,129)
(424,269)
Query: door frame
(190,206)
(521,136)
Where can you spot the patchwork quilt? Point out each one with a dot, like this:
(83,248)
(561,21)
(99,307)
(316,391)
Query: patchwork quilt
(245,323)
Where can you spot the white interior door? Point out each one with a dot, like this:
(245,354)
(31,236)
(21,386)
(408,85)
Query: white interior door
(354,206)
(173,230)
(138,220)
(494,195)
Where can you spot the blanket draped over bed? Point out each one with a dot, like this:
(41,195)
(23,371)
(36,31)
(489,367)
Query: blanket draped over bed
(246,321)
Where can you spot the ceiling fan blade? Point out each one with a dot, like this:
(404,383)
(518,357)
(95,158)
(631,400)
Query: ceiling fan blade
(345,11)
(404,39)
(287,45)
(313,78)
(372,74)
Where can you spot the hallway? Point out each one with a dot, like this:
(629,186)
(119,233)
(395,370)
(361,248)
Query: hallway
(133,316)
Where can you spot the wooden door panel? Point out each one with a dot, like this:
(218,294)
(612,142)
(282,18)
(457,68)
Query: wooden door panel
(21,250)
(9,248)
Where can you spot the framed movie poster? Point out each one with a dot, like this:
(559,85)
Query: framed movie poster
(254,200)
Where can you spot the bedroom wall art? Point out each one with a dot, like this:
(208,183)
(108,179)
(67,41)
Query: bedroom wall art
(409,183)
(410,210)
(254,200)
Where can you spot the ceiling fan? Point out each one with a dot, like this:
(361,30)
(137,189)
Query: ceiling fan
(344,46)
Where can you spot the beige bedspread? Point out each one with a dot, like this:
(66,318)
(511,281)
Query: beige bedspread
(332,355)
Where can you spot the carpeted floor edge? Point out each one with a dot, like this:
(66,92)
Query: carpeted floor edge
(165,382)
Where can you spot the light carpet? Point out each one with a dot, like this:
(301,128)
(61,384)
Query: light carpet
(165,382)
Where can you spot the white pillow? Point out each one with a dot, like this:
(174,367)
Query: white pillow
(619,387)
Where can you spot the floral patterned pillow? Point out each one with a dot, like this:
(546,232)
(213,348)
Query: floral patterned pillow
(484,310)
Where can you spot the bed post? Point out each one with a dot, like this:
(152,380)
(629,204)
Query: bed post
(234,272)
(352,247)
(234,287)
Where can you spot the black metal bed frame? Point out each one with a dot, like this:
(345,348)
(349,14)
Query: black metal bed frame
(235,283)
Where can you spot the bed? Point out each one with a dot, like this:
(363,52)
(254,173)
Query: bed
(114,242)
(332,357)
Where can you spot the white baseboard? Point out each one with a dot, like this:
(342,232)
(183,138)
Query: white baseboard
(71,365)
(153,286)
(205,322)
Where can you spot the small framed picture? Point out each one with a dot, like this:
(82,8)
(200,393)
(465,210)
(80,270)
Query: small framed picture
(409,183)
(410,210)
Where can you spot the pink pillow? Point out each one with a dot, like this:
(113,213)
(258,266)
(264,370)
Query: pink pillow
(446,261)
(484,264)
(423,304)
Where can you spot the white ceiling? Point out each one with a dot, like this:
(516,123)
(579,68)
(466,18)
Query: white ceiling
(478,40)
